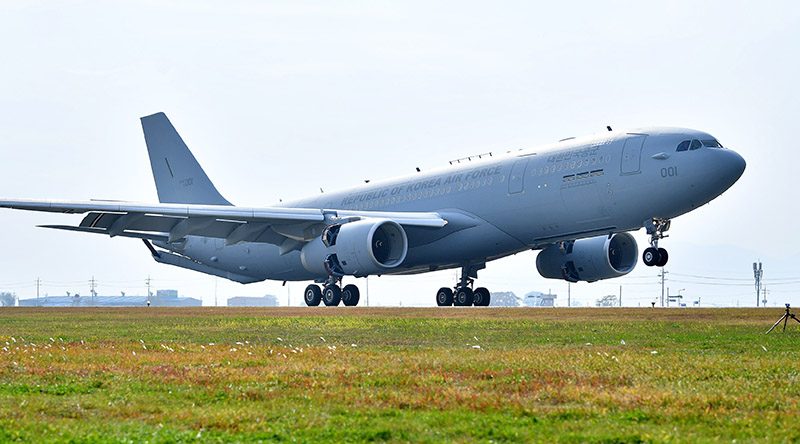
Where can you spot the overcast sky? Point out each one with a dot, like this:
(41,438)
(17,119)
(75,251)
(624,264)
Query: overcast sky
(277,100)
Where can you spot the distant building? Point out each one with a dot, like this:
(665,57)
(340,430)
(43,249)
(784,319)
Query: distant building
(162,298)
(503,299)
(166,294)
(539,299)
(170,298)
(253,301)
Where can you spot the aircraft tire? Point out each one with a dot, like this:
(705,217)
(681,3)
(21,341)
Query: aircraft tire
(312,295)
(663,257)
(463,297)
(332,295)
(350,295)
(481,297)
(650,256)
(444,297)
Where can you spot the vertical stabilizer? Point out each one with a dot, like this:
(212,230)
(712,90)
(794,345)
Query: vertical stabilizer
(179,178)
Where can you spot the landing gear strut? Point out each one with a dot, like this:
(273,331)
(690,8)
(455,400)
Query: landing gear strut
(332,294)
(464,295)
(653,255)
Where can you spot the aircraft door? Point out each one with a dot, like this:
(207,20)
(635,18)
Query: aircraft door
(516,180)
(632,154)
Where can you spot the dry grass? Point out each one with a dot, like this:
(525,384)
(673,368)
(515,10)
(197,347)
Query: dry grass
(372,374)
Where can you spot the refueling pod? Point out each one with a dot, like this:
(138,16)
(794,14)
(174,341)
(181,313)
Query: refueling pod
(360,248)
(592,259)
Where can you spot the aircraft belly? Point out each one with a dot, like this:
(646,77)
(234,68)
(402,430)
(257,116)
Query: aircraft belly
(252,259)
(473,244)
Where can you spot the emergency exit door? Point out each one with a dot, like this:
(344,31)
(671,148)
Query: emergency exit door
(632,154)
(516,180)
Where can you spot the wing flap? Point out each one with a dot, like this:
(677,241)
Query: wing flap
(148,236)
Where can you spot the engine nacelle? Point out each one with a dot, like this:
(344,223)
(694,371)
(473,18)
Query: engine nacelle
(357,248)
(589,260)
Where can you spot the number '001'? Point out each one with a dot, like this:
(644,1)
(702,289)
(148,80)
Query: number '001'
(669,172)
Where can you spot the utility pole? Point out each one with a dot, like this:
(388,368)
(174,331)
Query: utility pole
(764,301)
(38,285)
(147,281)
(664,274)
(92,287)
(569,294)
(367,292)
(620,295)
(758,273)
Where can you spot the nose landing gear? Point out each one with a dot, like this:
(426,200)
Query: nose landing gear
(653,255)
(464,295)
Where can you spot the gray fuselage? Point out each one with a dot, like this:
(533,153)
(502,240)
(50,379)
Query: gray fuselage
(502,204)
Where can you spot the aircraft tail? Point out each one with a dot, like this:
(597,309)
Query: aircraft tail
(179,177)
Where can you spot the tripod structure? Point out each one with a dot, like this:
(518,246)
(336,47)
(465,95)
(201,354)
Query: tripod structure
(784,319)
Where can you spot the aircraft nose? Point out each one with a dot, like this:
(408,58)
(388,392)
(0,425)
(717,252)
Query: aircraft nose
(735,164)
(730,167)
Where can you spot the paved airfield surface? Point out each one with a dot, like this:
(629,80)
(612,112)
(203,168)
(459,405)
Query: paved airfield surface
(397,375)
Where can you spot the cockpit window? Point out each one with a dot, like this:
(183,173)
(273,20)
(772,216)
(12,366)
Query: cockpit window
(695,144)
(683,146)
(712,143)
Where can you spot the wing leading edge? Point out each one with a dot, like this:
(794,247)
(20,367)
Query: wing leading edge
(288,228)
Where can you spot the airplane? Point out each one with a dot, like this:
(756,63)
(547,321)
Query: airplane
(576,201)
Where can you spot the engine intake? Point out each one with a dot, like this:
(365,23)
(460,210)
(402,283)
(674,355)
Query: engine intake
(590,260)
(357,248)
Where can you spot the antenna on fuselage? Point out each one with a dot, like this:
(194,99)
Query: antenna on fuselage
(609,127)
(418,170)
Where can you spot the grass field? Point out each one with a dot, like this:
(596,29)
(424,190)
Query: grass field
(428,375)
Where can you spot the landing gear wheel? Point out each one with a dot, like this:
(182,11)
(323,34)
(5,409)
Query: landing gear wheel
(350,295)
(444,297)
(651,256)
(332,295)
(312,295)
(481,297)
(663,257)
(463,297)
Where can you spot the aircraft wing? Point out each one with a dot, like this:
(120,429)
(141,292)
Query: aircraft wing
(288,228)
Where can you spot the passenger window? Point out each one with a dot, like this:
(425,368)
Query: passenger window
(695,144)
(683,146)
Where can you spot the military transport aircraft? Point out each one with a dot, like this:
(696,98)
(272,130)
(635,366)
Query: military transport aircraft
(575,200)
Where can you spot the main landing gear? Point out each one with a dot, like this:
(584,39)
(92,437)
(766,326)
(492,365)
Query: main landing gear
(464,295)
(653,255)
(332,294)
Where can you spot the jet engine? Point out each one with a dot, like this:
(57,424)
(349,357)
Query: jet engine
(359,248)
(592,259)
